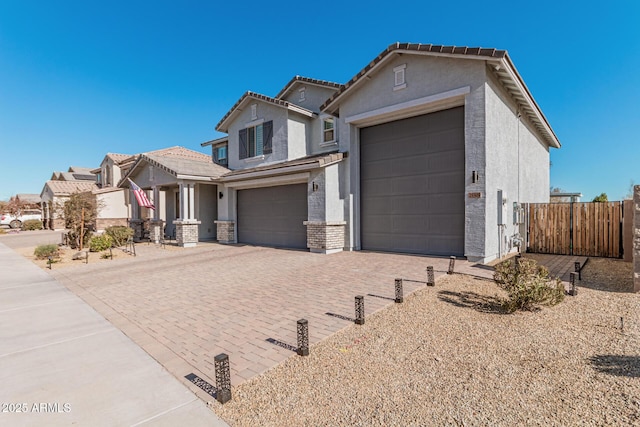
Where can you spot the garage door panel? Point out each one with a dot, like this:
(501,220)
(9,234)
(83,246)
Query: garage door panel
(273,216)
(412,184)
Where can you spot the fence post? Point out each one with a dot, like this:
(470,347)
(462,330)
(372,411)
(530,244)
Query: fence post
(303,337)
(430,276)
(399,291)
(223,378)
(359,310)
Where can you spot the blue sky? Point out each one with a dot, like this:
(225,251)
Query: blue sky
(79,79)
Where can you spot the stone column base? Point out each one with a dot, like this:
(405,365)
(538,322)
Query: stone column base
(187,232)
(325,237)
(156,230)
(225,230)
(58,224)
(138,229)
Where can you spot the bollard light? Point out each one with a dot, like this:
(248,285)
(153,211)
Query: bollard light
(452,264)
(399,291)
(572,281)
(49,261)
(223,378)
(359,310)
(577,269)
(303,337)
(431,281)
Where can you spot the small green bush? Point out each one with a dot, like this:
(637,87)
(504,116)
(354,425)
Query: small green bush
(32,224)
(528,285)
(45,251)
(119,234)
(100,243)
(73,240)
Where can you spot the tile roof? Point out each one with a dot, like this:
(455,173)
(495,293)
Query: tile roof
(215,141)
(259,97)
(503,68)
(78,169)
(314,161)
(417,47)
(180,153)
(117,158)
(61,188)
(297,79)
(178,161)
(29,198)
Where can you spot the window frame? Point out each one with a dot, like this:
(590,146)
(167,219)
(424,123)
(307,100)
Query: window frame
(323,131)
(399,77)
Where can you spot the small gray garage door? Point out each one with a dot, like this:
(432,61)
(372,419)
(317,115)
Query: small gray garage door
(412,184)
(273,216)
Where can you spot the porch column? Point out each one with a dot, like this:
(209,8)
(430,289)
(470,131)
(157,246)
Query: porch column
(187,225)
(136,222)
(156,225)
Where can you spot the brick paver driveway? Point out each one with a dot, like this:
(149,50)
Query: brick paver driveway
(184,306)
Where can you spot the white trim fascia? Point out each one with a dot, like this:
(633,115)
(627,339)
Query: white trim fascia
(298,178)
(454,95)
(281,171)
(254,158)
(301,110)
(195,178)
(524,91)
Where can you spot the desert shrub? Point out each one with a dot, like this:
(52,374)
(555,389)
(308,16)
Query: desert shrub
(527,284)
(100,243)
(119,234)
(45,251)
(32,224)
(73,239)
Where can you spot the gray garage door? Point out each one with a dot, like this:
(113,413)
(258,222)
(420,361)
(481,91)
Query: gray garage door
(273,216)
(412,184)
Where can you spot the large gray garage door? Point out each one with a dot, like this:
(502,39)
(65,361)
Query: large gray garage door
(412,184)
(273,216)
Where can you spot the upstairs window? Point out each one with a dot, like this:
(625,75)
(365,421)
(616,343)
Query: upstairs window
(328,130)
(220,155)
(256,140)
(99,179)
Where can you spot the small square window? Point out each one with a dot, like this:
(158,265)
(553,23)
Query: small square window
(328,130)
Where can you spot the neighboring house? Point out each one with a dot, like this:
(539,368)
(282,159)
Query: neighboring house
(55,193)
(113,201)
(561,197)
(182,191)
(427,150)
(29,201)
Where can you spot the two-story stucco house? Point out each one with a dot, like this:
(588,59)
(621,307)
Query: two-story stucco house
(426,150)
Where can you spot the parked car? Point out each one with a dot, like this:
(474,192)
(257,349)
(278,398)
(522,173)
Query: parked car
(16,221)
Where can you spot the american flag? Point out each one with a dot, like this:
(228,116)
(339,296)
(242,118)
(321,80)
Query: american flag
(141,196)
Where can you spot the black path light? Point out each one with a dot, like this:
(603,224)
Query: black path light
(431,278)
(572,281)
(223,378)
(399,292)
(359,310)
(576,267)
(431,281)
(452,264)
(303,337)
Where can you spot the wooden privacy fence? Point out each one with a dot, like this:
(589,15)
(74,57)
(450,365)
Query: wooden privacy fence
(585,229)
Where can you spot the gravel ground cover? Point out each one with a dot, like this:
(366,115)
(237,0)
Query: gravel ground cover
(449,356)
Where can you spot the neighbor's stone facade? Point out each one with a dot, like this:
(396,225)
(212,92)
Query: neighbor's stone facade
(187,232)
(103,223)
(57,224)
(156,230)
(636,238)
(325,237)
(138,229)
(226,231)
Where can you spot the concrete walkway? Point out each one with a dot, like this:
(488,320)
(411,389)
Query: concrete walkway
(61,363)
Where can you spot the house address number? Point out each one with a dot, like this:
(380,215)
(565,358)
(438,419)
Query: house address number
(475,195)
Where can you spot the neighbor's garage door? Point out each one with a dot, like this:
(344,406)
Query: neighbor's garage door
(273,216)
(412,184)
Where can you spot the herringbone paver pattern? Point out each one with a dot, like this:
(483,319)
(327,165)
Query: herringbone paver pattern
(186,306)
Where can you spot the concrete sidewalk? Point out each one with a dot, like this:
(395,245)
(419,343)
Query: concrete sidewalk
(61,363)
